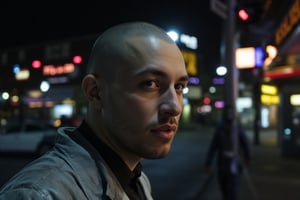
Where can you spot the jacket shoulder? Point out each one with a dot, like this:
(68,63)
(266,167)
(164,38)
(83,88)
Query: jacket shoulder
(65,172)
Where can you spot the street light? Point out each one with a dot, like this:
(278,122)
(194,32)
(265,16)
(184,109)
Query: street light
(174,35)
(44,86)
(221,71)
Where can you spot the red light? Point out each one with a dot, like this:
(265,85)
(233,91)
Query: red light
(243,14)
(36,64)
(77,59)
(206,100)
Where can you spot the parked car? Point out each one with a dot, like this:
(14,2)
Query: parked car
(30,137)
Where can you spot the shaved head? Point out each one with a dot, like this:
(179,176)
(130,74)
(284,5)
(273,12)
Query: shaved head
(134,87)
(114,48)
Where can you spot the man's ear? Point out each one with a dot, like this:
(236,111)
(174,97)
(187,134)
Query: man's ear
(90,88)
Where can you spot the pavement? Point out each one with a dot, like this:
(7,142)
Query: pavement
(181,176)
(273,176)
(270,176)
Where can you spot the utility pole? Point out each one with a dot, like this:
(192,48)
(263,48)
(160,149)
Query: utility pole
(257,105)
(228,46)
(231,81)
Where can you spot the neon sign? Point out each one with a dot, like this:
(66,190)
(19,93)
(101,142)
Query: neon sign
(52,70)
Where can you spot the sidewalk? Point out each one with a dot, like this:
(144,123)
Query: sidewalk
(273,176)
(270,176)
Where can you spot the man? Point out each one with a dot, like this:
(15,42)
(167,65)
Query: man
(229,165)
(134,88)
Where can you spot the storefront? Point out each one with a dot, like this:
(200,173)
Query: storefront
(284,73)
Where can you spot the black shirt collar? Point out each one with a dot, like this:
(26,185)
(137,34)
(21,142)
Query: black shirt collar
(127,178)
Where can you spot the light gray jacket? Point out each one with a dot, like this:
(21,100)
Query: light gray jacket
(68,171)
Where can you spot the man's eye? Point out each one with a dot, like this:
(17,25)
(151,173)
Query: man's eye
(150,84)
(180,87)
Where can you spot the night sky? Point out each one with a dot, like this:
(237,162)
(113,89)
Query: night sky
(24,23)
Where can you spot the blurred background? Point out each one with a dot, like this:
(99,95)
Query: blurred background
(44,48)
(245,52)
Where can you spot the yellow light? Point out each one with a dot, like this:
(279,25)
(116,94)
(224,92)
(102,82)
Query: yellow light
(35,94)
(269,99)
(191,62)
(68,101)
(22,75)
(269,89)
(15,99)
(295,99)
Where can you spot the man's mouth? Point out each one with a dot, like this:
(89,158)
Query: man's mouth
(165,131)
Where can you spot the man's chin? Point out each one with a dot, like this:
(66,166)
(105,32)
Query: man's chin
(158,154)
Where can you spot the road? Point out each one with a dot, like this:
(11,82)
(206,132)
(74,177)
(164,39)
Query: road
(180,175)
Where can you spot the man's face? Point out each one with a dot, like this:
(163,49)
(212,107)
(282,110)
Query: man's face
(143,105)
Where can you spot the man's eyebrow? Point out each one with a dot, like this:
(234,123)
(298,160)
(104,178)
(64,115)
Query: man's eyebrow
(150,71)
(158,73)
(184,78)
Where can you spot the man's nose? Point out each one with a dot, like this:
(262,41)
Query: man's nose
(171,103)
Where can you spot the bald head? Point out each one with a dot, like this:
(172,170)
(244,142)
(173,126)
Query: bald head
(134,90)
(116,47)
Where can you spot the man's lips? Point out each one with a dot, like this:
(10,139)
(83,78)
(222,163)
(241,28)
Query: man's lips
(165,131)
